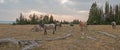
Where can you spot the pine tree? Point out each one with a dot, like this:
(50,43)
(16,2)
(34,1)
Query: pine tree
(20,20)
(119,14)
(116,14)
(75,21)
(111,14)
(46,19)
(51,19)
(33,19)
(94,14)
(107,8)
(97,16)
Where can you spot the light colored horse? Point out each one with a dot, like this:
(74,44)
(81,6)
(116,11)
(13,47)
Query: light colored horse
(83,26)
(113,25)
(46,27)
(36,28)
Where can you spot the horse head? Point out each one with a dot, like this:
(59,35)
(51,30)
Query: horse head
(41,25)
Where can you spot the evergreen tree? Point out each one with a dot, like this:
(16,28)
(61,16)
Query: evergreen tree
(94,14)
(111,14)
(97,16)
(46,19)
(33,19)
(119,14)
(107,8)
(51,19)
(116,14)
(21,20)
(75,21)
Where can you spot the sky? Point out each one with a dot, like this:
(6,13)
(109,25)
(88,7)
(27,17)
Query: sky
(10,9)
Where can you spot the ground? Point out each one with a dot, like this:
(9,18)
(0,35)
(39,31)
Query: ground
(76,42)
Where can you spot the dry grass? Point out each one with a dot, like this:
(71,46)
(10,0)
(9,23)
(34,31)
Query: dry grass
(76,42)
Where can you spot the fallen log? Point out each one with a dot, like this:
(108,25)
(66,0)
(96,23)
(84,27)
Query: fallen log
(58,38)
(107,34)
(91,38)
(31,46)
(10,40)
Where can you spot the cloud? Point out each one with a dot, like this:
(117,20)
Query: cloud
(7,1)
(14,1)
(58,17)
(64,1)
(83,11)
(2,1)
(77,8)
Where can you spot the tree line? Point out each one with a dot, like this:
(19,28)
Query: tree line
(100,15)
(35,19)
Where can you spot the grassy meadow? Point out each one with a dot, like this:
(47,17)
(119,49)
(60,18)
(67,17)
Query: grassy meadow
(75,42)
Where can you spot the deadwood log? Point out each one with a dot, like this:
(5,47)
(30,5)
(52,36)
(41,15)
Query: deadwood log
(107,34)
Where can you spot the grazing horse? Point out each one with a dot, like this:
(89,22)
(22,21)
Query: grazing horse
(113,24)
(35,28)
(46,27)
(83,26)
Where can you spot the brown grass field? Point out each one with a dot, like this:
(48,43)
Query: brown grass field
(75,42)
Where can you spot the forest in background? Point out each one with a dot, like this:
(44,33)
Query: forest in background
(97,16)
(104,15)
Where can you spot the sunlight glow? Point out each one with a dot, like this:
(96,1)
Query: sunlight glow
(64,1)
(2,1)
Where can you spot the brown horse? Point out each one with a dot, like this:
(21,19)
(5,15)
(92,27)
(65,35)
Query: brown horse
(83,26)
(46,27)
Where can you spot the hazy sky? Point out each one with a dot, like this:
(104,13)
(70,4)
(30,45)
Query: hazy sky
(10,9)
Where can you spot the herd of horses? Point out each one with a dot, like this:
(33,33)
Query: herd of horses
(45,27)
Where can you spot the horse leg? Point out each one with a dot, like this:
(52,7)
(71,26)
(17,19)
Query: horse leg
(81,28)
(45,32)
(53,31)
(55,27)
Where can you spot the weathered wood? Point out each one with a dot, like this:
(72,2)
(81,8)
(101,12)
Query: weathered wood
(58,38)
(11,40)
(31,46)
(91,38)
(107,34)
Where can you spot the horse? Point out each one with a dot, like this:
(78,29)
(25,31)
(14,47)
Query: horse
(36,28)
(46,27)
(83,26)
(113,24)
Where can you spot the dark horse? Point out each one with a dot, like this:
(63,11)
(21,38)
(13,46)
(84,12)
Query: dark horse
(46,27)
